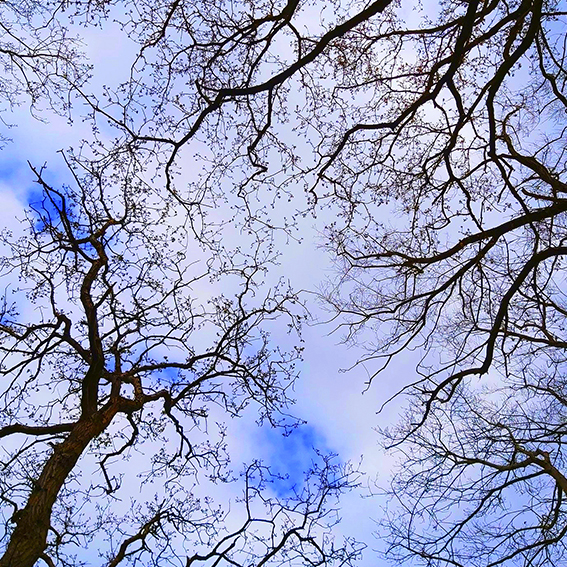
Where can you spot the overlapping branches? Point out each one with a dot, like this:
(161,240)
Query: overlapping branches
(104,329)
(437,139)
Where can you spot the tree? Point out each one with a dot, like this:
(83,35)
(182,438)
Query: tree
(111,350)
(106,347)
(449,121)
(40,60)
(463,144)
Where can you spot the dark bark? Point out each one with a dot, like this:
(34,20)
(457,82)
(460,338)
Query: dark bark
(29,538)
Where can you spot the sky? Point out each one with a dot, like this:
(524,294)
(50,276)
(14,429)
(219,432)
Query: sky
(339,411)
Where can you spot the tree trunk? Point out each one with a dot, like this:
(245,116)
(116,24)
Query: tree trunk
(29,538)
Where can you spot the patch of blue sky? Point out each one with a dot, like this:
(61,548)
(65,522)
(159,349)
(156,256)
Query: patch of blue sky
(169,375)
(290,456)
(43,206)
(18,179)
(8,170)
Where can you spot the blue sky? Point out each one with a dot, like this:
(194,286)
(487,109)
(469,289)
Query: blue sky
(338,417)
(290,456)
(335,412)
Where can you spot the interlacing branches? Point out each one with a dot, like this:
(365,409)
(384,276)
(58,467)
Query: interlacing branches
(104,334)
(435,137)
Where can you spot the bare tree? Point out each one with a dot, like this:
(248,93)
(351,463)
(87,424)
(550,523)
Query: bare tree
(40,59)
(463,146)
(437,139)
(483,479)
(106,347)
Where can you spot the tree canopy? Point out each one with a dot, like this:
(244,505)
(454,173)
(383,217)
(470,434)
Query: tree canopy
(429,143)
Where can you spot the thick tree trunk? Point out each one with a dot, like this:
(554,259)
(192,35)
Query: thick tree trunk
(29,538)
